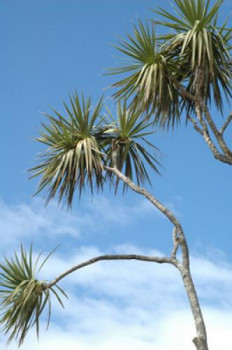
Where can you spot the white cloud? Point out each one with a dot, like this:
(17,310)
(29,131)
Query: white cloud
(23,220)
(99,325)
(133,305)
(34,219)
(119,304)
(144,283)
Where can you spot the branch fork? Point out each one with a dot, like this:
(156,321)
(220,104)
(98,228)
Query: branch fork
(207,125)
(179,241)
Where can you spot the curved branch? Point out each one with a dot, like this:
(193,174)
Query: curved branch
(159,206)
(206,135)
(156,259)
(204,131)
(225,125)
(184,268)
(195,125)
(175,238)
(226,156)
(218,135)
(184,92)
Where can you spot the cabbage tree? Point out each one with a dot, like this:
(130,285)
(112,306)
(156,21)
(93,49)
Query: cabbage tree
(88,149)
(182,73)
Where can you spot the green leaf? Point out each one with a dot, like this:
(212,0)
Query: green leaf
(24,299)
(198,41)
(82,145)
(129,133)
(73,157)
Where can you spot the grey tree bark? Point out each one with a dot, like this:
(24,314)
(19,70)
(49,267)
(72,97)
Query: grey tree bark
(204,123)
(183,265)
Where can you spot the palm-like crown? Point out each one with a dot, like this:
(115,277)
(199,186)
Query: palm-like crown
(81,143)
(23,297)
(196,54)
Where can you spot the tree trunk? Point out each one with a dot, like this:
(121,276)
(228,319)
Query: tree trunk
(200,341)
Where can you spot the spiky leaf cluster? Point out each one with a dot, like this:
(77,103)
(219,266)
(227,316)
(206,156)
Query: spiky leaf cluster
(203,47)
(196,54)
(73,158)
(147,79)
(23,297)
(80,143)
(126,145)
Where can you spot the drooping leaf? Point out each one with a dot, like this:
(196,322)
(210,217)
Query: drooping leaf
(201,45)
(147,80)
(195,52)
(73,158)
(129,134)
(80,144)
(22,296)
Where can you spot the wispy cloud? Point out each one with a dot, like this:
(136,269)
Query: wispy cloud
(29,220)
(119,304)
(133,305)
(144,282)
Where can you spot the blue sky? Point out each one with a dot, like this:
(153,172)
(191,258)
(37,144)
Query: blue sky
(49,48)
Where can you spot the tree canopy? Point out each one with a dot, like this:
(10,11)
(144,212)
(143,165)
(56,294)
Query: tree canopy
(168,77)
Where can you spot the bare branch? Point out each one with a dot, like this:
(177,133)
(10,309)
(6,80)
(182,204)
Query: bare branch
(156,259)
(179,238)
(176,243)
(224,126)
(206,135)
(184,92)
(195,125)
(216,132)
(225,158)
(201,106)
(145,193)
(204,131)
(170,216)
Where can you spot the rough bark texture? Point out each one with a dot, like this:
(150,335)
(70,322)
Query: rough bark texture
(200,340)
(204,124)
(157,259)
(183,266)
(200,343)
